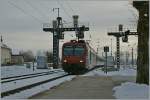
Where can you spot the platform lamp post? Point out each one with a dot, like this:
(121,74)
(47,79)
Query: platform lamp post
(106,49)
(111,47)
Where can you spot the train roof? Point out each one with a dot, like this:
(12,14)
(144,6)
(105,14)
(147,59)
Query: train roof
(80,42)
(75,42)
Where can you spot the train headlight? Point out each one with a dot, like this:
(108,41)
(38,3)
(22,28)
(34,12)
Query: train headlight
(65,60)
(81,61)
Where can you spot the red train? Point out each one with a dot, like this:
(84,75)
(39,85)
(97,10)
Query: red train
(77,57)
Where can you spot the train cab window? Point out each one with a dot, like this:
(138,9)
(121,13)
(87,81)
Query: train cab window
(68,50)
(78,51)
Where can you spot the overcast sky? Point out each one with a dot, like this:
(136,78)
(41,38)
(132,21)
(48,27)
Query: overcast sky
(21,21)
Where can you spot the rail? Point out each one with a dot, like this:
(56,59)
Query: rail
(6,93)
(14,78)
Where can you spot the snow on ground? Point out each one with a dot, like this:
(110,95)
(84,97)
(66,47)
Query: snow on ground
(20,83)
(16,70)
(30,92)
(127,90)
(130,90)
(122,72)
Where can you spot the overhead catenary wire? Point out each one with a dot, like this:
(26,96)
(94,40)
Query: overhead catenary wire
(25,12)
(68,4)
(73,12)
(49,9)
(35,8)
(68,14)
(61,5)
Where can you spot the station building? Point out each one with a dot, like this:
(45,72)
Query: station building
(17,59)
(5,55)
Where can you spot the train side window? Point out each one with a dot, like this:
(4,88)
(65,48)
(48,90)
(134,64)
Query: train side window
(90,56)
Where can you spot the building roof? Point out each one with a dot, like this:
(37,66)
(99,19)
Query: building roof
(5,46)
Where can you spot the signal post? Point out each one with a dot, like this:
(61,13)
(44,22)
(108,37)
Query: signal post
(124,36)
(58,34)
(106,49)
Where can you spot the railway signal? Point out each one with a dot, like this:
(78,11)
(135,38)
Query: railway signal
(81,32)
(120,27)
(61,35)
(58,34)
(106,49)
(124,36)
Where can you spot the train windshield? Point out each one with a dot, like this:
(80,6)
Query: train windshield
(68,50)
(73,50)
(78,51)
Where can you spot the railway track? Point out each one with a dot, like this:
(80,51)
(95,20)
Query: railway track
(16,90)
(21,75)
(15,78)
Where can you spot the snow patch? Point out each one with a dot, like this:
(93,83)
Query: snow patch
(16,70)
(38,89)
(129,90)
(121,72)
(24,82)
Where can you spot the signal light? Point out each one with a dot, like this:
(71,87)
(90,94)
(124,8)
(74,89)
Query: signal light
(81,61)
(125,38)
(65,60)
(81,34)
(82,28)
(127,32)
(61,36)
(73,41)
(106,49)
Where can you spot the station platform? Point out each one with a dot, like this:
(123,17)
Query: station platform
(85,87)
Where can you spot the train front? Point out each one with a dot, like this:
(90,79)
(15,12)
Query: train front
(74,57)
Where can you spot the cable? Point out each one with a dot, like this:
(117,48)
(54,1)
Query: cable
(35,8)
(49,11)
(22,10)
(67,2)
(63,9)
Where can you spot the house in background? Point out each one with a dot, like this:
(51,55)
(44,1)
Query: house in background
(17,59)
(5,55)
